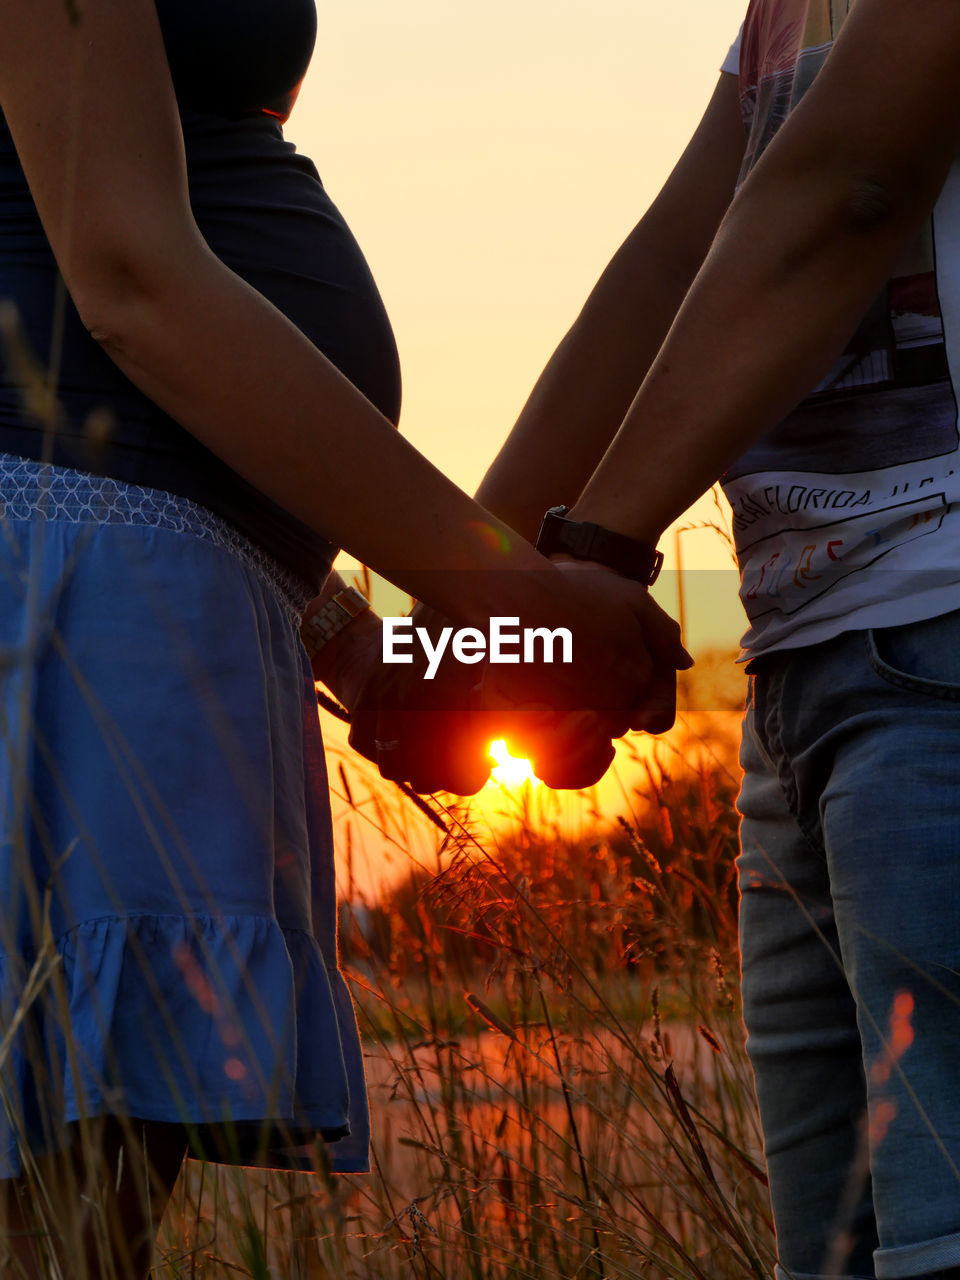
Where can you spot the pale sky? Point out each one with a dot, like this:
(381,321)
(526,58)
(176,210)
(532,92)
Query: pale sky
(490,159)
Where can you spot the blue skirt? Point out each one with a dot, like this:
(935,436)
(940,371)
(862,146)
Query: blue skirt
(167,900)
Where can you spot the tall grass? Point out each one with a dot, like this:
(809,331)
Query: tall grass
(555,1059)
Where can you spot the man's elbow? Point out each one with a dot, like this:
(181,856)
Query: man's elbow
(844,212)
(872,203)
(891,190)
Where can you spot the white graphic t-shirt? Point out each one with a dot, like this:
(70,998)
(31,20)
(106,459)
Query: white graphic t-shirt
(845,514)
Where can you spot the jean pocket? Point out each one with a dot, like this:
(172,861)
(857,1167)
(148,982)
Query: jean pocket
(921,656)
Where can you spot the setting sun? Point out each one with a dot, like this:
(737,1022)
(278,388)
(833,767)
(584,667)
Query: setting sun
(512,771)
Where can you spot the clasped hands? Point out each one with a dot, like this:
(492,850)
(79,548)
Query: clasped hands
(434,734)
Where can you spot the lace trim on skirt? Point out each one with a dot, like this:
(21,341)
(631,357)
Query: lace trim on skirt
(31,490)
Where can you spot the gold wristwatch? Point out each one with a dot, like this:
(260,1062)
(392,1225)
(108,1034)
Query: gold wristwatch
(338,612)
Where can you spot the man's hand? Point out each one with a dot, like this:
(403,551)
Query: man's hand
(658,708)
(623,677)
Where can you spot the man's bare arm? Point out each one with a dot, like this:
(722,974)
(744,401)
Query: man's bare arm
(586,388)
(804,249)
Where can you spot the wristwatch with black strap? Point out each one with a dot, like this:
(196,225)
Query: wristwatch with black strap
(584,540)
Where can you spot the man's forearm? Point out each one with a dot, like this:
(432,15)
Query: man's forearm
(755,335)
(582,395)
(581,398)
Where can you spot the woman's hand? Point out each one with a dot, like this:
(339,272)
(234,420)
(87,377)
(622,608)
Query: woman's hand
(431,734)
(346,660)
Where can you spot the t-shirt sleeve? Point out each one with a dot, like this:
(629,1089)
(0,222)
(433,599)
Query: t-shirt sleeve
(731,62)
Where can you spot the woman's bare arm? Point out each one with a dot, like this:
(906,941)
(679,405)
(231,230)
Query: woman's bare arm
(92,112)
(90,105)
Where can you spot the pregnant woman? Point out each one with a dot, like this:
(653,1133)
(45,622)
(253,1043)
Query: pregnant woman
(197,391)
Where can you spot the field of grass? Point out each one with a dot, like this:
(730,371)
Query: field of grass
(555,1058)
(554,1049)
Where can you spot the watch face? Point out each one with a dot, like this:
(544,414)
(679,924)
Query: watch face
(351,601)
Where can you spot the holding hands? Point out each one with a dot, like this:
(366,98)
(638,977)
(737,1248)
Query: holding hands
(432,730)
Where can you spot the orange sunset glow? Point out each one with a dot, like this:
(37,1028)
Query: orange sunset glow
(511,770)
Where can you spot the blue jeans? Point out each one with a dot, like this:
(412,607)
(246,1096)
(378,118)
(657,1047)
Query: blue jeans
(850,938)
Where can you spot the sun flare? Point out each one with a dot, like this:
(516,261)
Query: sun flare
(511,771)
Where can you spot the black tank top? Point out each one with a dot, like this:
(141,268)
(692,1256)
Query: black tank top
(236,67)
